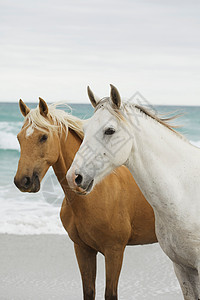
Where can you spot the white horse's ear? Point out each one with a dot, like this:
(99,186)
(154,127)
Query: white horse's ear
(115,96)
(43,107)
(24,108)
(93,98)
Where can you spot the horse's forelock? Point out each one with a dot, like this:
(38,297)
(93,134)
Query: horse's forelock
(107,103)
(56,120)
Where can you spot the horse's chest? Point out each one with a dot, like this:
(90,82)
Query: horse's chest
(179,243)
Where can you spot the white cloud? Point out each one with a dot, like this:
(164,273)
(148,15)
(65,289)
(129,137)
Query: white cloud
(54,49)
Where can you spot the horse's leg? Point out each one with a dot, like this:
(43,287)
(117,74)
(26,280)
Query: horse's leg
(86,258)
(113,259)
(189,282)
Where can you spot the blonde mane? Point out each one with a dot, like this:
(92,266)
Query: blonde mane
(56,120)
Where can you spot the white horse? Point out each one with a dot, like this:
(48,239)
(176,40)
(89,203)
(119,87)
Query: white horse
(165,166)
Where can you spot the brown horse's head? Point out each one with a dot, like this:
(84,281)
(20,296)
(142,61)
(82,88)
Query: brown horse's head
(39,147)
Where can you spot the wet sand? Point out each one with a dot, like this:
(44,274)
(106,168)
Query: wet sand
(44,267)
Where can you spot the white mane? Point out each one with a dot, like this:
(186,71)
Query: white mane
(119,114)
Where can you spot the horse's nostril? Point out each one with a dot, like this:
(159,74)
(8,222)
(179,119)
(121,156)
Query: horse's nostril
(26,181)
(78,179)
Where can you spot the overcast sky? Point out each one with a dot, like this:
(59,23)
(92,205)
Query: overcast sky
(55,48)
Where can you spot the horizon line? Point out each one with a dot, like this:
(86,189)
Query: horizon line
(84,103)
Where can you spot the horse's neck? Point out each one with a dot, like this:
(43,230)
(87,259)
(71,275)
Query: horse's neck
(68,148)
(159,161)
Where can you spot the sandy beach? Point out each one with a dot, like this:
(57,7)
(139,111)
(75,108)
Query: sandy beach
(45,267)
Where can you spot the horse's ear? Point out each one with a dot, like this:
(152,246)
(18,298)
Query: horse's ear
(43,107)
(115,96)
(93,98)
(24,108)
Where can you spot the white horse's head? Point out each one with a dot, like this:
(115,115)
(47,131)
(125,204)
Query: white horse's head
(106,145)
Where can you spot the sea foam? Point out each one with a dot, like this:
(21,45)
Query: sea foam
(196,143)
(8,141)
(8,135)
(25,214)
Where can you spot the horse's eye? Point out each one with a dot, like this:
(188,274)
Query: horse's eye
(109,131)
(43,138)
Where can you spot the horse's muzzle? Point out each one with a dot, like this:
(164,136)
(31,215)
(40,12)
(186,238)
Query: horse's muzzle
(28,184)
(78,183)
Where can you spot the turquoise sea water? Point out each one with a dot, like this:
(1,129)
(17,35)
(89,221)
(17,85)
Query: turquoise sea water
(23,213)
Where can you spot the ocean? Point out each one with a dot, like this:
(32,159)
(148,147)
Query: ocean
(24,213)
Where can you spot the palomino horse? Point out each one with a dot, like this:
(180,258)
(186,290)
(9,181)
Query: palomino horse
(114,215)
(165,166)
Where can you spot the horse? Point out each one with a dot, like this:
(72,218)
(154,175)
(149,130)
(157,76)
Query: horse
(114,215)
(165,166)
